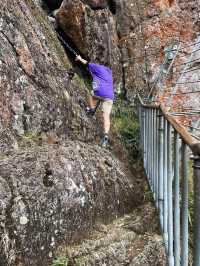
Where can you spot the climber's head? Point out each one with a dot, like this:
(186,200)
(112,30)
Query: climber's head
(107,64)
(103,62)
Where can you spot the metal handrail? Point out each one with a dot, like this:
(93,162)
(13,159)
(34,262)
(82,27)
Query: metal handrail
(189,139)
(166,147)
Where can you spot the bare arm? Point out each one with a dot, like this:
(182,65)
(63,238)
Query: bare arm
(80,59)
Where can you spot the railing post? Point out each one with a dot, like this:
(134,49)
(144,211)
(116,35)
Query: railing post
(149,147)
(154,153)
(160,169)
(165,176)
(149,155)
(184,209)
(145,138)
(196,251)
(147,144)
(157,156)
(152,150)
(170,198)
(176,201)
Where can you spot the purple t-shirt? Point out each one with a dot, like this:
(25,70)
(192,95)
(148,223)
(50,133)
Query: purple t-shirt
(102,81)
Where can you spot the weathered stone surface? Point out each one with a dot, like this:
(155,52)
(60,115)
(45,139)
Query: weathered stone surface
(147,28)
(119,243)
(96,3)
(93,33)
(37,94)
(54,195)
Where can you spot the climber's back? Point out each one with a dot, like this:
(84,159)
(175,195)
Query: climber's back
(102,80)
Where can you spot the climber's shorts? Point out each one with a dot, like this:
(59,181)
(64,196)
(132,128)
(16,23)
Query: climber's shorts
(106,106)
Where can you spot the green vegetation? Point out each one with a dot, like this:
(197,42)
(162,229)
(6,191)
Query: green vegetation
(63,261)
(78,261)
(60,261)
(126,124)
(31,135)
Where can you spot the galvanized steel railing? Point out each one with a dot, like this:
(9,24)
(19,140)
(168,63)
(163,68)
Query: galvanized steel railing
(167,152)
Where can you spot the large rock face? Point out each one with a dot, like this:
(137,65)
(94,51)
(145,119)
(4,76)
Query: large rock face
(37,94)
(52,188)
(147,29)
(52,196)
(93,33)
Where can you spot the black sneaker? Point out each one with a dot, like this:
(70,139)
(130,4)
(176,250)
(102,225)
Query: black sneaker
(104,141)
(90,111)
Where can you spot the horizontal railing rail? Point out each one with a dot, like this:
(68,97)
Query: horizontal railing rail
(167,150)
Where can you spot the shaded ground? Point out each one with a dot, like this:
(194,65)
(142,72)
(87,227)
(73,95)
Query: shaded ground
(131,240)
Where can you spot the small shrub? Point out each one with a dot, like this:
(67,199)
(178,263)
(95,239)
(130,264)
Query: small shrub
(126,124)
(60,261)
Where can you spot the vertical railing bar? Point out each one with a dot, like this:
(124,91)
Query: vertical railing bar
(147,158)
(160,162)
(142,125)
(154,152)
(157,145)
(196,226)
(184,209)
(170,198)
(146,165)
(140,122)
(165,176)
(149,127)
(150,133)
(151,145)
(145,130)
(176,201)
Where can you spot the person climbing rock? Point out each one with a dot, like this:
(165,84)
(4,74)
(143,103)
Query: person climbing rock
(102,93)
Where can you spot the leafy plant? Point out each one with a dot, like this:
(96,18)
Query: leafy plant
(60,261)
(126,125)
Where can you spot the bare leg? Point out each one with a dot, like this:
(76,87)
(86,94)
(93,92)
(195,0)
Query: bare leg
(106,108)
(106,122)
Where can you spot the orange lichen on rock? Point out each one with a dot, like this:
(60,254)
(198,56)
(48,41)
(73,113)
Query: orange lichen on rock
(71,18)
(25,60)
(163,4)
(170,28)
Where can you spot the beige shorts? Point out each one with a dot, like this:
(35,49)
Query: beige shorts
(106,105)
